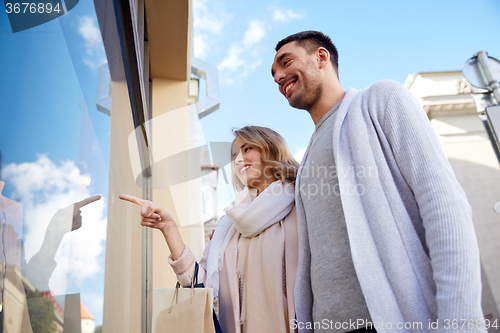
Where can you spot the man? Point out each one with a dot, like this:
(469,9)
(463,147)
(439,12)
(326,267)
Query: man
(386,239)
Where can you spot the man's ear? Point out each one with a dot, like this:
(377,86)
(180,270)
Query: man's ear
(323,57)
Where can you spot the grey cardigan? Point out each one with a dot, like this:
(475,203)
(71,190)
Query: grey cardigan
(409,223)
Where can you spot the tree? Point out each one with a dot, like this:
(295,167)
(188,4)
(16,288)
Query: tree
(41,310)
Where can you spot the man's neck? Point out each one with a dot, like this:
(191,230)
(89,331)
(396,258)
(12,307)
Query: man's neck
(328,100)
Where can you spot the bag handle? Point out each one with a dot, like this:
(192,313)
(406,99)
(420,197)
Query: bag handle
(178,285)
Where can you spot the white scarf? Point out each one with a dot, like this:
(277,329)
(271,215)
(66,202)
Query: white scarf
(249,214)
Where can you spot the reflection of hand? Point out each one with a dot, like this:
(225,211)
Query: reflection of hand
(59,222)
(153,215)
(59,225)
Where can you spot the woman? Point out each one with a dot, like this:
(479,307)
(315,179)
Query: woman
(252,258)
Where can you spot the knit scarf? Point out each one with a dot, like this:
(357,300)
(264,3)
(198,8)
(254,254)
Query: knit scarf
(260,262)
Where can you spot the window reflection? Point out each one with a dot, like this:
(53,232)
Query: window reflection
(54,146)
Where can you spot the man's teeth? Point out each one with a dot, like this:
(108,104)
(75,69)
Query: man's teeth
(288,87)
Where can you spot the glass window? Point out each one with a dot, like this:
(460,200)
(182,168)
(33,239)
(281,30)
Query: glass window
(54,144)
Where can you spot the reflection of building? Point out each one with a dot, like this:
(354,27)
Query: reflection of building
(446,96)
(148,52)
(88,321)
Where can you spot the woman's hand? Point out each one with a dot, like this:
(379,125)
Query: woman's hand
(153,215)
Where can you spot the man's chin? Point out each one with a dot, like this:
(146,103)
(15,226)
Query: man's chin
(297,105)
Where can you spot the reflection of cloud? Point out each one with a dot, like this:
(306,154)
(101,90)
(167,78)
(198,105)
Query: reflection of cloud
(88,30)
(43,188)
(208,21)
(299,154)
(283,15)
(93,303)
(95,54)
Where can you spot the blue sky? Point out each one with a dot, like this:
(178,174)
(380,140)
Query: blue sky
(48,80)
(376,40)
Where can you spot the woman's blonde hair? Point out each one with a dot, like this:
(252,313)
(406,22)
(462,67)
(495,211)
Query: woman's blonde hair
(274,151)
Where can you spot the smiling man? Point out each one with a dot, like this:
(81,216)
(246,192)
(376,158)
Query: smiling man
(386,239)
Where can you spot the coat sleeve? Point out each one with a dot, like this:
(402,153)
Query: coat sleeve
(184,266)
(443,206)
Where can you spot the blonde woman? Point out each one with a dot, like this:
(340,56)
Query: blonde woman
(252,258)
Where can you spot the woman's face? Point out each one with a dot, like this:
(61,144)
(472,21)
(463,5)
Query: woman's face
(249,167)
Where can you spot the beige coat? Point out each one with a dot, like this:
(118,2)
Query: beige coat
(229,304)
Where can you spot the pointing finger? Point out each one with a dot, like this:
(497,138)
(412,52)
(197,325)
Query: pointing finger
(86,201)
(133,199)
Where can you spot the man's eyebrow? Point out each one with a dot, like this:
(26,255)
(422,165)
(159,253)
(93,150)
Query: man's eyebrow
(279,60)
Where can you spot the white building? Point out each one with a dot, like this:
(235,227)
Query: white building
(88,321)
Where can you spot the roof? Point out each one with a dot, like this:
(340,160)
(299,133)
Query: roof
(85,313)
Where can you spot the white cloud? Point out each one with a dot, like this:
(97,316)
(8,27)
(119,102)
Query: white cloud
(243,57)
(256,31)
(299,154)
(233,60)
(94,48)
(209,19)
(43,188)
(285,15)
(88,29)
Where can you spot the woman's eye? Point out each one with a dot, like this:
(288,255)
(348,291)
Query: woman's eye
(247,149)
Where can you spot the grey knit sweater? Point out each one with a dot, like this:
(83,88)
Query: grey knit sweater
(410,230)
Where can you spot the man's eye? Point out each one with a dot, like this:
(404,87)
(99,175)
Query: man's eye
(286,62)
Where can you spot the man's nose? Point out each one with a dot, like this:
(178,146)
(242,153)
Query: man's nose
(279,76)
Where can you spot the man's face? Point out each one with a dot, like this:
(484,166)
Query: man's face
(297,74)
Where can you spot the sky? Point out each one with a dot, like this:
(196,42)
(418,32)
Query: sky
(375,39)
(53,138)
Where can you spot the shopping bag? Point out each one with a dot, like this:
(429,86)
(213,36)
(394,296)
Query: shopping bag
(180,310)
(190,311)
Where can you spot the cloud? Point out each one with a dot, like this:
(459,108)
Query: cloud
(94,303)
(94,48)
(43,187)
(243,57)
(255,33)
(285,15)
(88,29)
(299,154)
(209,20)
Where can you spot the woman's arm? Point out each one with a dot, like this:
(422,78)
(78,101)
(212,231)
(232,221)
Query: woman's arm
(155,216)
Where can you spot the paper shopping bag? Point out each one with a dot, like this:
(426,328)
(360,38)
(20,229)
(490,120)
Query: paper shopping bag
(186,310)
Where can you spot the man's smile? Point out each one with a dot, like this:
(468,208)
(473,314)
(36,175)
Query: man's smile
(287,86)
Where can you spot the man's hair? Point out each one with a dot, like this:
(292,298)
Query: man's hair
(311,40)
(274,151)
